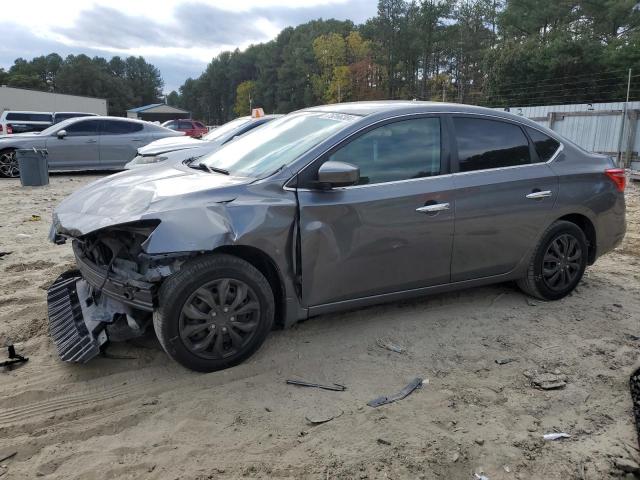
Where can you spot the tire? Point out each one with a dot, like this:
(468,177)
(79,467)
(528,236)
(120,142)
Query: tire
(9,164)
(548,279)
(199,328)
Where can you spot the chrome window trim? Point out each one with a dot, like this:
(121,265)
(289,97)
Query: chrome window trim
(497,117)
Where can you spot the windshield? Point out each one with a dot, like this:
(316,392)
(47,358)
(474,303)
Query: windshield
(277,143)
(226,128)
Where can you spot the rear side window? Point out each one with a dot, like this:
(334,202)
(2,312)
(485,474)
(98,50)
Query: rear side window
(199,125)
(546,146)
(83,129)
(185,126)
(396,151)
(119,127)
(29,117)
(485,144)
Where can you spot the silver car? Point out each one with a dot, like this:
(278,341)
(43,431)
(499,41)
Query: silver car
(326,209)
(85,143)
(183,148)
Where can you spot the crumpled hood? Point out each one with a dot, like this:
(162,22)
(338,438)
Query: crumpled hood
(139,194)
(169,144)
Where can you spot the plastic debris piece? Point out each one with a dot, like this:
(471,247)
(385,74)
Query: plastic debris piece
(392,347)
(301,383)
(555,436)
(383,400)
(504,361)
(317,418)
(480,476)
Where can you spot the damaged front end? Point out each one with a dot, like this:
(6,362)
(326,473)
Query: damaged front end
(111,294)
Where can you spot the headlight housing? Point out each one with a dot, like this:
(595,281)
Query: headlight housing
(147,159)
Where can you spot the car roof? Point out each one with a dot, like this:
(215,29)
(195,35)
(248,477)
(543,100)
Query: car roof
(413,106)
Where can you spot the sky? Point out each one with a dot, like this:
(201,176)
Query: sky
(179,36)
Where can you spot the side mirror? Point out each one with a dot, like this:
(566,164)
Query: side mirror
(61,134)
(338,174)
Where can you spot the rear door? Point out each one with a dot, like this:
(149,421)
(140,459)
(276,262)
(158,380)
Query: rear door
(504,196)
(78,149)
(119,142)
(377,237)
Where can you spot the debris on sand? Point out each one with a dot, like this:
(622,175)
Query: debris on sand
(627,465)
(504,361)
(301,383)
(4,254)
(320,417)
(383,400)
(547,381)
(555,436)
(480,476)
(382,441)
(388,345)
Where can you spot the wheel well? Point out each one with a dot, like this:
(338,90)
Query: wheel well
(589,230)
(267,267)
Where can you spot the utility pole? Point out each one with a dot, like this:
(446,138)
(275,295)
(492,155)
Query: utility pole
(444,91)
(622,123)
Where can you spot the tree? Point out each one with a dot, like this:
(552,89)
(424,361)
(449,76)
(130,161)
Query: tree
(244,97)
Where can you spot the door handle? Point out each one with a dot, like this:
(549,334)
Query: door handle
(436,207)
(92,141)
(539,194)
(136,139)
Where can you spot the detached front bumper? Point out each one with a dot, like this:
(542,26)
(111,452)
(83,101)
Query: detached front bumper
(75,339)
(86,307)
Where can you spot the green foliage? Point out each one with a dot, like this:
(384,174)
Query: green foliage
(244,98)
(124,83)
(488,52)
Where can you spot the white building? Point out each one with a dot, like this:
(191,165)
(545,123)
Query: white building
(33,100)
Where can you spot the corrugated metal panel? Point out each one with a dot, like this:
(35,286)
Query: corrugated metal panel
(597,133)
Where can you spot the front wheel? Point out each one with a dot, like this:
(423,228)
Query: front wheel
(558,262)
(214,313)
(9,164)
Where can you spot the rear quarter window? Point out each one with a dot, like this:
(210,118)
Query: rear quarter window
(545,146)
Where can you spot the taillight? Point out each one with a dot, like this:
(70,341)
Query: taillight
(9,129)
(618,177)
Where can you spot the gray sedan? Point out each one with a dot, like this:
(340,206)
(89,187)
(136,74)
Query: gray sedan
(87,143)
(326,209)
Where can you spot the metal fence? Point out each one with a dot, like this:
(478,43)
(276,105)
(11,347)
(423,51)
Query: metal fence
(597,127)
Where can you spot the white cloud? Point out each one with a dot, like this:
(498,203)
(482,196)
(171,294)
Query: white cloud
(191,32)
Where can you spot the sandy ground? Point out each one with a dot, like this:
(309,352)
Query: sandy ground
(146,417)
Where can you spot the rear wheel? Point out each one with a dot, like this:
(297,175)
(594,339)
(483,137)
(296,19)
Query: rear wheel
(9,164)
(558,262)
(214,313)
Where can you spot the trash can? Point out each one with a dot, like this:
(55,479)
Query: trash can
(34,167)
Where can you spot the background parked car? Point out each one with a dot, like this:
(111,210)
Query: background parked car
(191,128)
(60,116)
(85,143)
(180,149)
(24,122)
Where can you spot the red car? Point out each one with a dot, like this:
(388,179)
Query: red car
(189,127)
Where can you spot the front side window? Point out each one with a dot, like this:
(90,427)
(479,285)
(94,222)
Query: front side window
(185,126)
(119,127)
(546,146)
(485,144)
(397,151)
(85,128)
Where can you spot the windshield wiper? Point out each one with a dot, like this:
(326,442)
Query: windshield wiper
(207,168)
